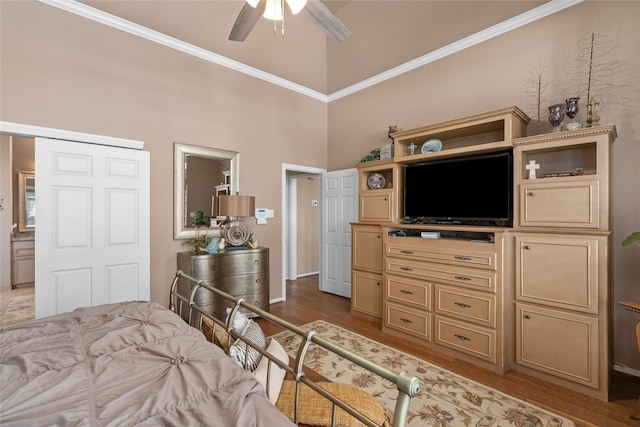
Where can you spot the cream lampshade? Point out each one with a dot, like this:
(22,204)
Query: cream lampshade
(235,231)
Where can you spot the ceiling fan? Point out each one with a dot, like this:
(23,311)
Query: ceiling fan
(317,11)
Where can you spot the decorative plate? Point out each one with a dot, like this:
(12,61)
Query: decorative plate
(432,144)
(376,181)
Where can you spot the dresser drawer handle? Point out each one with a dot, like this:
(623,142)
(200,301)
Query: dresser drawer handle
(462,258)
(256,303)
(406,292)
(256,261)
(462,278)
(406,269)
(258,280)
(463,305)
(406,252)
(462,337)
(406,320)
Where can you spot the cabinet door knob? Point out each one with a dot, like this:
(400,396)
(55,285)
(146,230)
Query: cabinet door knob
(378,283)
(526,316)
(530,193)
(526,247)
(257,280)
(256,262)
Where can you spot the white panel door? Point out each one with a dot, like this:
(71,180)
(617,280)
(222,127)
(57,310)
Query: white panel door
(340,209)
(92,230)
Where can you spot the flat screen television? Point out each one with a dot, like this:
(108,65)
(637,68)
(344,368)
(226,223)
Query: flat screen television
(474,190)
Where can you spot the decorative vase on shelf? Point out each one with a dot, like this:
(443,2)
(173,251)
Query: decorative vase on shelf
(593,119)
(556,115)
(571,109)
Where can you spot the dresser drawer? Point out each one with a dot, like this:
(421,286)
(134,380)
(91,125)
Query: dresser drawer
(465,258)
(476,307)
(467,277)
(259,300)
(408,320)
(242,284)
(408,292)
(240,263)
(474,340)
(560,204)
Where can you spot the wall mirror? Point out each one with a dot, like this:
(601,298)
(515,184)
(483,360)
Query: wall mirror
(201,174)
(26,201)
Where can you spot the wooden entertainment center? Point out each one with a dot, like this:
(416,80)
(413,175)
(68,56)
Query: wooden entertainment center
(533,296)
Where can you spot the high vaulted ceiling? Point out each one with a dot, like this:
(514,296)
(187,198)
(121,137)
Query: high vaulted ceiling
(385,34)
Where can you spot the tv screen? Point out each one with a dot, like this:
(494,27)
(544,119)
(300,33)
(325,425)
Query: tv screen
(475,189)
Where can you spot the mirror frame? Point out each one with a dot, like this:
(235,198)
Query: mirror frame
(22,201)
(181,151)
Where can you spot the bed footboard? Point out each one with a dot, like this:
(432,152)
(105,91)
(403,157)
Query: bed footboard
(407,385)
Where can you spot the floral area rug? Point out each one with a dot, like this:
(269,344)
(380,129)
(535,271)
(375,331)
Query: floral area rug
(445,399)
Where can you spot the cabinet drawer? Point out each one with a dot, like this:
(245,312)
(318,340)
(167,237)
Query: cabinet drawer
(408,292)
(558,343)
(475,340)
(467,277)
(376,205)
(366,293)
(485,260)
(410,321)
(560,204)
(242,284)
(477,307)
(559,270)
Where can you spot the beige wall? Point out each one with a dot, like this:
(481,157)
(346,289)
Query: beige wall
(62,71)
(308,225)
(493,75)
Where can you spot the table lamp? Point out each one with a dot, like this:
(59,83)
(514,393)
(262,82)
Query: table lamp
(236,232)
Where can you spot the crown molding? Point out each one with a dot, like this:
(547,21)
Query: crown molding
(99,16)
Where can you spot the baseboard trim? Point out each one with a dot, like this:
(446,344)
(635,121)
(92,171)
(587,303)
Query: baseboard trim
(625,369)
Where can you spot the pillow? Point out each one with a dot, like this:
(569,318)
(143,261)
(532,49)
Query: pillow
(240,321)
(275,373)
(244,355)
(215,333)
(313,409)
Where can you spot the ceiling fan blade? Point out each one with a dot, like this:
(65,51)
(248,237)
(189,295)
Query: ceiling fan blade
(247,19)
(326,20)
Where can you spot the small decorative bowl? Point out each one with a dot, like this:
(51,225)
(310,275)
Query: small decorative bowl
(572,126)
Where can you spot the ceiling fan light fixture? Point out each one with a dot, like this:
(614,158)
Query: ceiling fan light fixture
(296,5)
(273,10)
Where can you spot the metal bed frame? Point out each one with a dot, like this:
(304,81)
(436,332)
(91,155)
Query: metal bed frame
(407,385)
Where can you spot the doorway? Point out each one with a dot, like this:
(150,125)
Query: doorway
(300,182)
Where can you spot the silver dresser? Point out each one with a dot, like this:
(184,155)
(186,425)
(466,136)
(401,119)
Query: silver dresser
(241,273)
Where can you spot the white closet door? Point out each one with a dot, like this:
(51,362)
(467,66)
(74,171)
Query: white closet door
(339,209)
(92,225)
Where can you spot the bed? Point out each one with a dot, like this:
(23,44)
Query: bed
(139,363)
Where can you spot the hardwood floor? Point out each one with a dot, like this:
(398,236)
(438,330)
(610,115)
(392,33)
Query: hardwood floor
(305,303)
